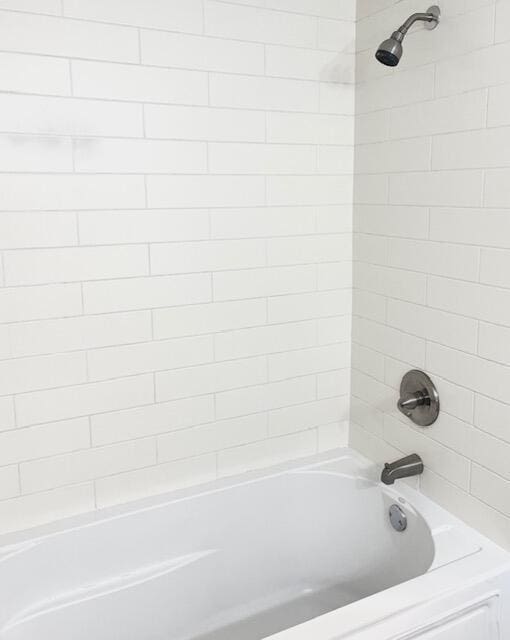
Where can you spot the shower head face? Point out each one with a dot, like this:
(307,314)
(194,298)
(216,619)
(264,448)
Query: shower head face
(389,52)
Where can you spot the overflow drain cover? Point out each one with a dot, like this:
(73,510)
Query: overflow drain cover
(398,518)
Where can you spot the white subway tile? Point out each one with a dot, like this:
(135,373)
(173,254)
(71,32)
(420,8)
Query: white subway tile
(409,221)
(335,329)
(253,283)
(447,188)
(171,14)
(260,25)
(197,52)
(69,402)
(138,83)
(472,149)
(22,230)
(335,275)
(251,92)
(150,420)
(490,452)
(85,465)
(333,383)
(308,415)
(44,440)
(28,192)
(313,128)
(393,283)
(204,123)
(34,74)
(389,341)
(470,299)
(448,329)
(337,35)
(31,303)
(493,342)
(152,480)
(218,255)
(44,372)
(208,318)
(263,222)
(370,189)
(345,10)
(261,158)
(307,361)
(491,488)
(196,441)
(451,260)
(71,38)
(265,397)
(266,453)
(83,332)
(444,115)
(26,153)
(68,116)
(498,115)
(40,266)
(471,226)
(393,156)
(205,191)
(305,64)
(303,250)
(368,361)
(145,293)
(473,70)
(473,372)
(116,362)
(496,193)
(494,265)
(369,305)
(492,417)
(262,340)
(9,482)
(51,7)
(335,159)
(139,156)
(309,190)
(125,227)
(304,306)
(210,378)
(42,507)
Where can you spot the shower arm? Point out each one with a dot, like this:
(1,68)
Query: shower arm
(416,17)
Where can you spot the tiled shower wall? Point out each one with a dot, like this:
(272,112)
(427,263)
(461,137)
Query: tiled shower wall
(175,238)
(432,249)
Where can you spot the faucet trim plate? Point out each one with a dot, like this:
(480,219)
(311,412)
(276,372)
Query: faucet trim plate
(419,399)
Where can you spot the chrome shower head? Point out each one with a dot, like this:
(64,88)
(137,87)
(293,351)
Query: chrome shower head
(390,51)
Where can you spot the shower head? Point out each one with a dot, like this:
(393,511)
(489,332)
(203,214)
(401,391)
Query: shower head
(390,51)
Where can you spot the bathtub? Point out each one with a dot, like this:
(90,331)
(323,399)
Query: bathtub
(300,551)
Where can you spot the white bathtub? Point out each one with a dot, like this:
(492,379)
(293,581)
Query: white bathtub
(302,551)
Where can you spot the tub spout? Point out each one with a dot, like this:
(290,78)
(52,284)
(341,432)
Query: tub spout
(404,468)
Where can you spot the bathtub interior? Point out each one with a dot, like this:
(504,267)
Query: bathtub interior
(240,562)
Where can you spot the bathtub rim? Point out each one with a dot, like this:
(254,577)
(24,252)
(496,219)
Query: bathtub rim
(434,515)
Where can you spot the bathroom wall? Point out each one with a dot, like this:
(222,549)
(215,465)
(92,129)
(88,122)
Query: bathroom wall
(432,249)
(175,238)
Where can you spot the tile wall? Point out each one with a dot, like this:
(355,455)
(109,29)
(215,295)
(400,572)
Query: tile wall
(175,240)
(432,249)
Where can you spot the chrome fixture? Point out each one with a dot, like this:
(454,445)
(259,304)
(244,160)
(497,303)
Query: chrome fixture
(419,399)
(398,518)
(404,468)
(390,51)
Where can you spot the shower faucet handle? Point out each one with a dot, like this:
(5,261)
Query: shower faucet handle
(419,399)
